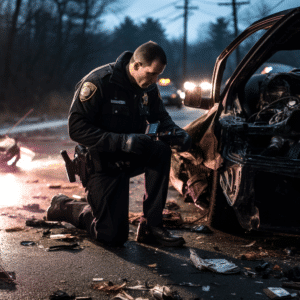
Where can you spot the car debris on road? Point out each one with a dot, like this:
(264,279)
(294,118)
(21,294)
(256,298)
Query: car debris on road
(216,265)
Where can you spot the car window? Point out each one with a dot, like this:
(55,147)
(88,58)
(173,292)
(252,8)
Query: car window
(237,55)
(284,61)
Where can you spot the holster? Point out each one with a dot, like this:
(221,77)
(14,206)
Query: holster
(81,165)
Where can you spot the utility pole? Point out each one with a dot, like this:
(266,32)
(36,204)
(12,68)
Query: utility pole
(186,8)
(235,19)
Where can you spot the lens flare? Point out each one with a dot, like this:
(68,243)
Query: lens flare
(26,159)
(11,190)
(189,85)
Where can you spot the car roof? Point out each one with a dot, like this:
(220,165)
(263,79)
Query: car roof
(279,14)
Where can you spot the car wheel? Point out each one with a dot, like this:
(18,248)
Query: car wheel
(179,105)
(222,216)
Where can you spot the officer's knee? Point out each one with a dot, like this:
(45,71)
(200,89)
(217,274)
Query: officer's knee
(116,236)
(162,149)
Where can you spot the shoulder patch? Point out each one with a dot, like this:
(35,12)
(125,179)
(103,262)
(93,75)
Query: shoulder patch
(88,89)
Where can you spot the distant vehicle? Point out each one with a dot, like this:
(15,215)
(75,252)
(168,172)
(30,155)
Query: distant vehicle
(169,93)
(192,86)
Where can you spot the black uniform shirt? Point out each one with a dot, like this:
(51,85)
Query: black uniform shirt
(106,105)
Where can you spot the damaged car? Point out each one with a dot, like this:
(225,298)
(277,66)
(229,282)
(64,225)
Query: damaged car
(243,169)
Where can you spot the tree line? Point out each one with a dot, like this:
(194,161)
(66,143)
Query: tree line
(48,45)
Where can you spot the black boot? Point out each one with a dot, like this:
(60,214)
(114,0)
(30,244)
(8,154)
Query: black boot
(63,208)
(150,234)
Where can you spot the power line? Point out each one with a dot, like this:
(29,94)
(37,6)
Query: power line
(209,3)
(235,19)
(208,13)
(159,9)
(186,8)
(173,19)
(280,2)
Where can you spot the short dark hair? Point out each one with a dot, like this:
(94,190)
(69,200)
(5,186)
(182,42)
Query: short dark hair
(148,52)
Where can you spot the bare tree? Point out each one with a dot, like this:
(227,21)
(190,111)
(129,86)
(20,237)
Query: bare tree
(48,44)
(258,11)
(9,51)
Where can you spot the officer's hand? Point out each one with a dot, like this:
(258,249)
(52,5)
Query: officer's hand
(182,140)
(135,143)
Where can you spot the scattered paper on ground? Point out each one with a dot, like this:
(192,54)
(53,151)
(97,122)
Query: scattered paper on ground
(216,265)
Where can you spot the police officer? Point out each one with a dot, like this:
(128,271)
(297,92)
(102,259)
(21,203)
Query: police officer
(109,114)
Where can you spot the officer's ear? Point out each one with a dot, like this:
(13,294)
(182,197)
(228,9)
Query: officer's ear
(137,65)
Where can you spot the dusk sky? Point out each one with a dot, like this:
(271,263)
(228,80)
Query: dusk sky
(172,18)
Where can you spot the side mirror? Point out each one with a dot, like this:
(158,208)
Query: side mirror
(193,98)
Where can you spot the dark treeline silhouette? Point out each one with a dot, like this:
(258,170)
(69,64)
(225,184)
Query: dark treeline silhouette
(48,45)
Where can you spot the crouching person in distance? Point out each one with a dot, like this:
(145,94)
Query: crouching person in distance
(110,111)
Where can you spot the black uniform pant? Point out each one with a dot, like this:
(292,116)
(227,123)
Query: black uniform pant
(106,216)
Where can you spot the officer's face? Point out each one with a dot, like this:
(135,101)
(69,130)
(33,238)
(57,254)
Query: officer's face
(144,75)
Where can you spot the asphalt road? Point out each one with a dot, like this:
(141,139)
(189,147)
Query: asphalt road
(26,192)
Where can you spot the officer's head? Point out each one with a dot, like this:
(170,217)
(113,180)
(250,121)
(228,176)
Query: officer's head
(147,62)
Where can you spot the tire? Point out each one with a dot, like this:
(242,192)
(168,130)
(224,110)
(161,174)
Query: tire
(222,216)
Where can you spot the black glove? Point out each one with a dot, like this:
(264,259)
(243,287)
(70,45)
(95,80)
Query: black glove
(181,141)
(134,143)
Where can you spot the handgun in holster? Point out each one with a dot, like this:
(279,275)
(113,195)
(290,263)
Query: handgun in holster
(80,165)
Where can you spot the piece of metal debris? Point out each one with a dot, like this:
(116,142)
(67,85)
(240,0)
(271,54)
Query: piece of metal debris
(164,293)
(79,198)
(74,246)
(206,288)
(140,287)
(32,181)
(172,205)
(123,296)
(277,293)
(187,284)
(27,243)
(201,229)
(67,236)
(42,223)
(250,274)
(262,267)
(134,218)
(54,186)
(40,197)
(8,277)
(249,245)
(291,285)
(33,207)
(290,251)
(108,286)
(97,279)
(61,295)
(250,256)
(276,268)
(216,265)
(14,229)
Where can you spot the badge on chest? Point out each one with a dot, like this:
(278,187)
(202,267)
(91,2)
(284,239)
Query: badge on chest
(145,99)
